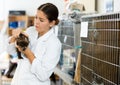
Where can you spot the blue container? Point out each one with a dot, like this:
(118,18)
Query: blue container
(13,25)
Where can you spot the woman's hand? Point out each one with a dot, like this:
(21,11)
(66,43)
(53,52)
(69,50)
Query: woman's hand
(27,52)
(18,47)
(15,34)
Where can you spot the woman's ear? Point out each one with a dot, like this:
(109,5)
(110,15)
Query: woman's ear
(52,23)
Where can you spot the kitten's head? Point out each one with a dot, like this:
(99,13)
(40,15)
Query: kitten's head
(22,41)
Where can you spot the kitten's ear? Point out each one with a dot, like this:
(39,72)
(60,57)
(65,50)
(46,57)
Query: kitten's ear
(20,35)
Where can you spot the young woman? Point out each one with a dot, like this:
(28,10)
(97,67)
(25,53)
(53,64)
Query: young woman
(43,53)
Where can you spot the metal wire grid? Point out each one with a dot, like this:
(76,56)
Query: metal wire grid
(66,34)
(101,50)
(71,30)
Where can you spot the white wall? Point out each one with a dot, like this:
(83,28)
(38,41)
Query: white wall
(102,3)
(101,6)
(29,5)
(116,5)
(2,10)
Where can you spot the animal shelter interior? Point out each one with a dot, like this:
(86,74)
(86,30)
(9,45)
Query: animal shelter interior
(60,42)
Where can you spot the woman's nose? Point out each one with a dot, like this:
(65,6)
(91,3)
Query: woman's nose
(37,21)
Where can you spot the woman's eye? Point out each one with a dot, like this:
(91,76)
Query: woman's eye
(40,20)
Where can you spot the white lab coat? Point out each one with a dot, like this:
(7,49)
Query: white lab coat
(46,49)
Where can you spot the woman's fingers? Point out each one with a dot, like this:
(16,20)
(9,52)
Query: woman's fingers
(19,48)
(16,32)
(25,34)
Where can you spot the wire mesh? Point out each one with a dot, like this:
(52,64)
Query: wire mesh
(100,55)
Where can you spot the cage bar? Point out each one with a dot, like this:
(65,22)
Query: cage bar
(101,50)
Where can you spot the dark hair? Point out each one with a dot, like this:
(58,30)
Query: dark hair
(51,11)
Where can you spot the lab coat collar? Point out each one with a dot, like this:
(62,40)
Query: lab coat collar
(46,35)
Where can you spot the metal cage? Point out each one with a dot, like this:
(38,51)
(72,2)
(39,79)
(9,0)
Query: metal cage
(100,54)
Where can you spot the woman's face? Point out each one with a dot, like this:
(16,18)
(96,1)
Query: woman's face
(41,23)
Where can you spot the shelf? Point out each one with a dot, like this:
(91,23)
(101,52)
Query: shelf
(68,45)
(19,21)
(1,24)
(9,31)
(6,81)
(64,76)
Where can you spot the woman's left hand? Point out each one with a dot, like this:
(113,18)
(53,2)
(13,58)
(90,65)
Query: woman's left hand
(18,47)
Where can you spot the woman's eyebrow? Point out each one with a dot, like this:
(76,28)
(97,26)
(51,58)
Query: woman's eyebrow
(42,18)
